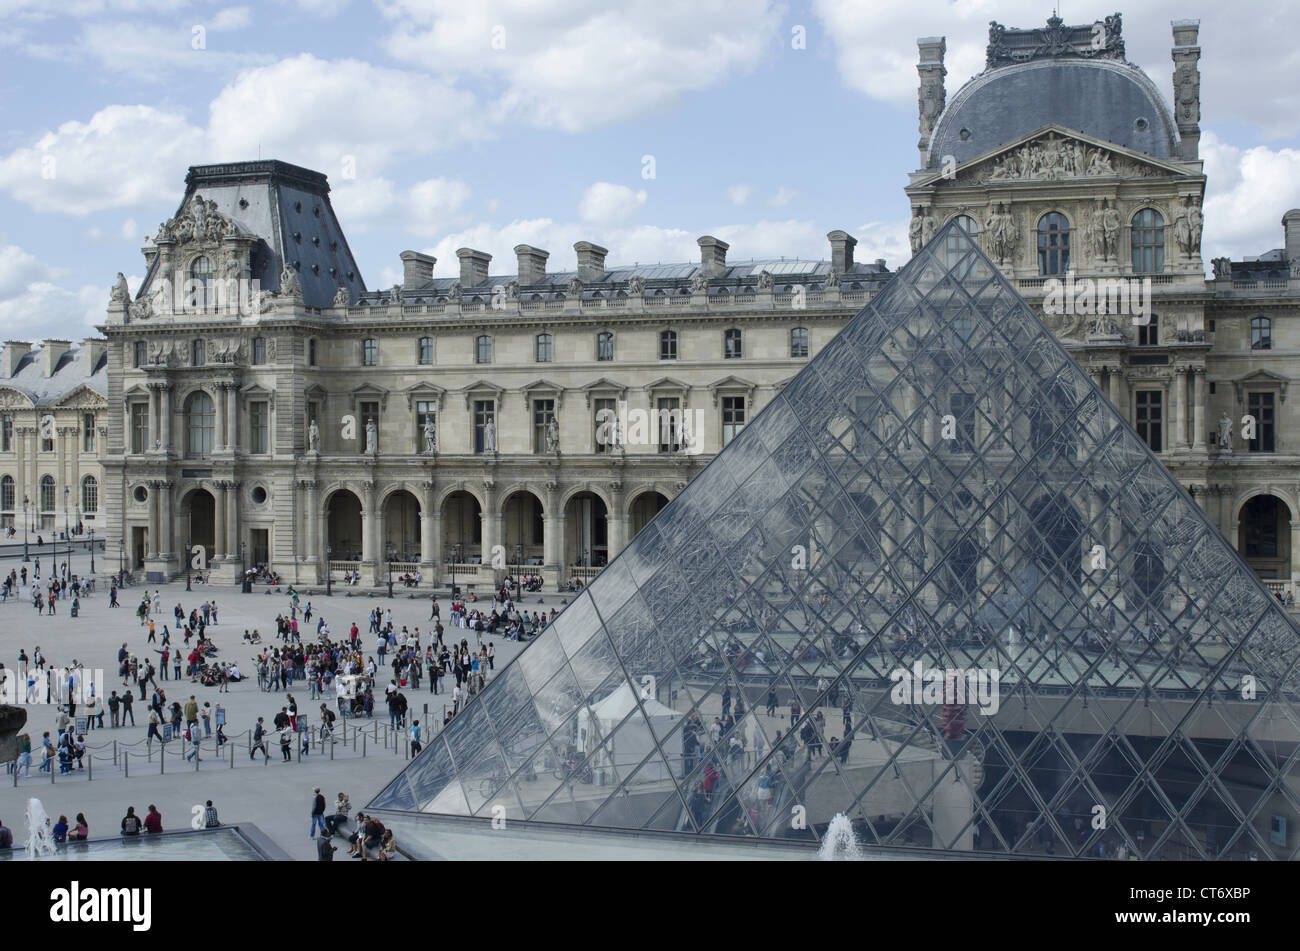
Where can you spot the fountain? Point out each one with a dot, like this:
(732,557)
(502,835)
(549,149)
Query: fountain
(840,844)
(40,838)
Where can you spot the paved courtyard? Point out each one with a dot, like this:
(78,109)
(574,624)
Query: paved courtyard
(273,794)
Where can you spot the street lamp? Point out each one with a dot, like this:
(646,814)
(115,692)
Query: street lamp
(453,556)
(391,551)
(121,545)
(92,551)
(329,570)
(519,565)
(67,528)
(26,556)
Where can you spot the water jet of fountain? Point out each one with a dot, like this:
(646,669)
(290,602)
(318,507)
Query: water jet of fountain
(40,837)
(840,844)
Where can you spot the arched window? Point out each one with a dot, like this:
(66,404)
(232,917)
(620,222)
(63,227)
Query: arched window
(426,351)
(201,275)
(968,224)
(1261,333)
(731,344)
(545,348)
(1148,242)
(47,493)
(605,346)
(483,349)
(200,424)
(7,494)
(799,342)
(668,345)
(1053,244)
(89,496)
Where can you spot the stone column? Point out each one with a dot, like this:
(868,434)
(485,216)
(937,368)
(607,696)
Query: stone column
(232,520)
(368,524)
(219,442)
(491,522)
(616,520)
(430,531)
(219,536)
(232,418)
(312,520)
(168,519)
(1179,384)
(165,425)
(20,481)
(1198,409)
(154,549)
(155,417)
(553,529)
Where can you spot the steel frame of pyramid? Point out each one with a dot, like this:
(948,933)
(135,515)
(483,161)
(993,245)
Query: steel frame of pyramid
(941,486)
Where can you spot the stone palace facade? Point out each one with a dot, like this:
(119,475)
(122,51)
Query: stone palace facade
(261,405)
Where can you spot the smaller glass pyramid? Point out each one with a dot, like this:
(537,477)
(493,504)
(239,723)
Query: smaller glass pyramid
(937,585)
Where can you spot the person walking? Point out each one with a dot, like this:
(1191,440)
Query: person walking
(154,721)
(259,740)
(286,745)
(317,814)
(325,849)
(127,709)
(415,738)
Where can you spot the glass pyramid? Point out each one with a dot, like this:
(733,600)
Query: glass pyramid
(941,489)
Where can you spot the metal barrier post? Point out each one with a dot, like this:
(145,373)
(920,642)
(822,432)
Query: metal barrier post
(126,765)
(162,760)
(363,746)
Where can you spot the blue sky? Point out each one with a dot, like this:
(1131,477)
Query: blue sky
(495,123)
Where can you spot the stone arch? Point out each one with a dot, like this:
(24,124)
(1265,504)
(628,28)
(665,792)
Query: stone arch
(516,487)
(644,505)
(344,526)
(523,524)
(1263,535)
(441,499)
(401,510)
(567,494)
(197,523)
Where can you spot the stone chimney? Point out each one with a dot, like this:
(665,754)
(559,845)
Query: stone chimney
(933,96)
(1291,229)
(842,245)
(417,269)
(473,267)
(591,261)
(51,350)
(713,255)
(14,352)
(94,347)
(1187,87)
(532,264)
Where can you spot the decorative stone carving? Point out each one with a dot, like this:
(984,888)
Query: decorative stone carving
(141,309)
(1051,158)
(1056,39)
(490,436)
(225,349)
(430,436)
(1187,227)
(1225,434)
(395,295)
(512,290)
(575,287)
(1001,233)
(764,280)
(290,286)
(553,436)
(833,280)
(372,437)
(342,297)
(198,221)
(313,437)
(453,292)
(700,284)
(636,285)
(270,349)
(120,293)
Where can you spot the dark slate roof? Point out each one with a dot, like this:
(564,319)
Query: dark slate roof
(1108,100)
(288,207)
(69,373)
(661,279)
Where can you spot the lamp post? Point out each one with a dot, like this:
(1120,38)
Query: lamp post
(121,546)
(26,556)
(519,565)
(329,571)
(185,559)
(243,556)
(453,555)
(67,527)
(390,551)
(92,551)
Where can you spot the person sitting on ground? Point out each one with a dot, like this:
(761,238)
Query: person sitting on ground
(81,831)
(387,847)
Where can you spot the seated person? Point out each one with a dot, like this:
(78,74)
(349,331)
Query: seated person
(387,847)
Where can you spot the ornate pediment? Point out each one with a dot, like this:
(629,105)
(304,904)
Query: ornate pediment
(1056,155)
(82,398)
(198,221)
(225,349)
(14,399)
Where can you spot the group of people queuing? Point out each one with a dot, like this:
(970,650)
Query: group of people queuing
(45,596)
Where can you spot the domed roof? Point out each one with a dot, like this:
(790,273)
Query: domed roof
(1108,100)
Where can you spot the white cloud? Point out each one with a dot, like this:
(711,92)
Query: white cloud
(782,197)
(34,307)
(231,18)
(123,157)
(1249,190)
(738,195)
(875,49)
(574,64)
(605,203)
(430,206)
(129,230)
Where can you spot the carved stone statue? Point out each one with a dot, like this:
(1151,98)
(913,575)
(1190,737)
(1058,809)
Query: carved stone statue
(699,284)
(1097,232)
(1002,236)
(636,285)
(372,436)
(512,290)
(490,436)
(832,280)
(1222,269)
(313,437)
(395,295)
(1195,223)
(1225,434)
(915,229)
(764,280)
(290,286)
(1187,228)
(687,440)
(342,297)
(430,436)
(553,436)
(453,293)
(120,293)
(619,437)
(575,287)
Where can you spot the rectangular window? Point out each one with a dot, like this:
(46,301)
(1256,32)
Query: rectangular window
(311,353)
(426,351)
(799,342)
(1149,422)
(47,445)
(196,353)
(369,412)
(606,423)
(425,410)
(484,412)
(483,349)
(1260,406)
(668,419)
(733,417)
(7,433)
(139,427)
(1149,333)
(259,420)
(141,354)
(668,345)
(605,346)
(962,408)
(543,413)
(369,352)
(259,350)
(88,432)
